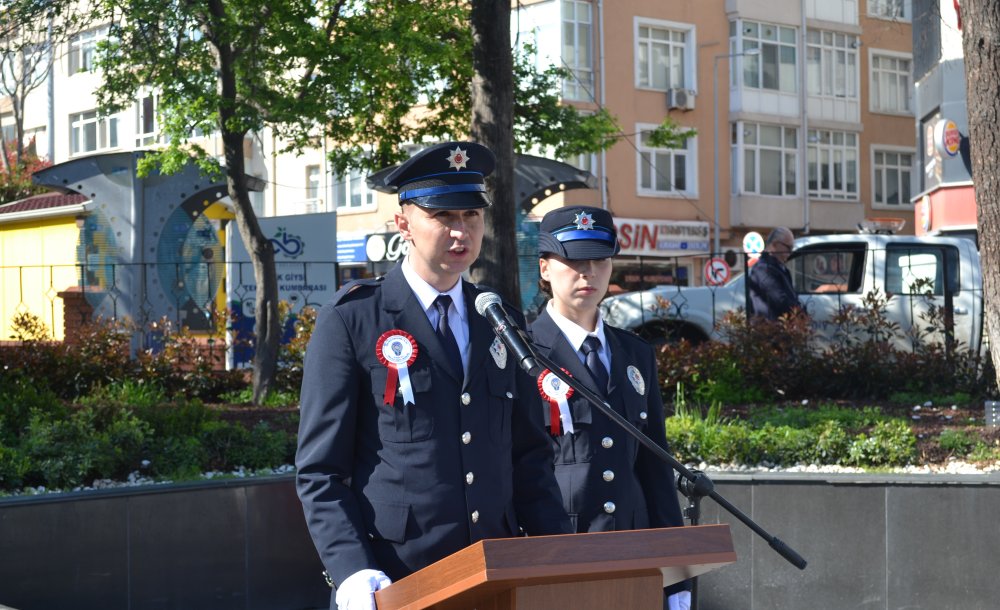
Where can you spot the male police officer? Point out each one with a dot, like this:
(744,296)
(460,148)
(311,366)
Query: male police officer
(414,441)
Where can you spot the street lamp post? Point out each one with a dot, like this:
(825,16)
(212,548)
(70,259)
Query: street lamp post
(715,137)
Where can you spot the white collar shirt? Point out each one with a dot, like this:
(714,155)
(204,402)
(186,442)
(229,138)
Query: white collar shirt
(457,318)
(575,334)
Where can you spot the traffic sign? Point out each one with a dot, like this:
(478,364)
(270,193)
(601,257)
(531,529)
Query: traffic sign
(716,272)
(753,244)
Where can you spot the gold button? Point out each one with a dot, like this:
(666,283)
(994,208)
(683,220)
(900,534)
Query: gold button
(469,478)
(466,399)
(609,475)
(475,516)
(609,507)
(607,442)
(466,438)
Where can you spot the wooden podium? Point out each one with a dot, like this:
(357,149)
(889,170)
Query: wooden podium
(571,572)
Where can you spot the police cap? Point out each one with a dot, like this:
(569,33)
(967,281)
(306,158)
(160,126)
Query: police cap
(448,176)
(578,233)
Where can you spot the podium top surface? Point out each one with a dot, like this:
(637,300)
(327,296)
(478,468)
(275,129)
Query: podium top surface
(499,564)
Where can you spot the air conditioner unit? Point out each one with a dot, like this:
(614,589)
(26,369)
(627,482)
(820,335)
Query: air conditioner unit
(680,98)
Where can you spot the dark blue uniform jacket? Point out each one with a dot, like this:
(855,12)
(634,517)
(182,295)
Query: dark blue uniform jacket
(398,487)
(607,479)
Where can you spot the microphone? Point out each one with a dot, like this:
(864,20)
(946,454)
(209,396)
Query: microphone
(489,306)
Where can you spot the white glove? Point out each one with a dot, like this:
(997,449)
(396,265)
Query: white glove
(677,601)
(357,592)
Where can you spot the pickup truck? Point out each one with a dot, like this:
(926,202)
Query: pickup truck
(829,272)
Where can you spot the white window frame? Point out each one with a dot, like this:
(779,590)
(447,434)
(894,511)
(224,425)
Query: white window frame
(142,136)
(893,10)
(879,175)
(105,132)
(826,156)
(648,164)
(313,181)
(754,69)
(832,64)
(579,85)
(346,188)
(745,147)
(83,49)
(644,75)
(875,102)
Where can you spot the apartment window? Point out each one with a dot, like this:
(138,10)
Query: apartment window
(576,50)
(891,180)
(89,133)
(774,66)
(770,158)
(665,171)
(890,91)
(312,182)
(8,128)
(146,125)
(662,55)
(890,9)
(833,164)
(83,49)
(831,64)
(350,192)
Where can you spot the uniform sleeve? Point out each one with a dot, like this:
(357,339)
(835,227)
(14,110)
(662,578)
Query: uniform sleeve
(537,499)
(324,459)
(656,477)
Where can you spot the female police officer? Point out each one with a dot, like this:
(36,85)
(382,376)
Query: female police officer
(608,481)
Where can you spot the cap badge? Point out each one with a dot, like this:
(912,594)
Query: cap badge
(584,220)
(457,158)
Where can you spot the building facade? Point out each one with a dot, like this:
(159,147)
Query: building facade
(945,201)
(802,112)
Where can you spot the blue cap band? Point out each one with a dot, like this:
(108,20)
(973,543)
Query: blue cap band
(442,190)
(584,234)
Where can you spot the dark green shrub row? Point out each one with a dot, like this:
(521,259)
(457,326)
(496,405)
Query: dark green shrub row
(181,363)
(762,361)
(805,439)
(119,430)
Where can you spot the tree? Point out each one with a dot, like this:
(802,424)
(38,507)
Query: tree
(28,33)
(981,45)
(361,76)
(492,124)
(345,69)
(15,180)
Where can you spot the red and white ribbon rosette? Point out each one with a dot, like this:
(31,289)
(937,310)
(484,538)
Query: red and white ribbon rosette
(397,349)
(557,393)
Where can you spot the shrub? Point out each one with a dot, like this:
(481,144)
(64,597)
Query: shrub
(762,361)
(890,443)
(956,442)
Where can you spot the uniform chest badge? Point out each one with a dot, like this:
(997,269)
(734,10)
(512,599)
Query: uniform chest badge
(499,352)
(556,392)
(396,350)
(635,377)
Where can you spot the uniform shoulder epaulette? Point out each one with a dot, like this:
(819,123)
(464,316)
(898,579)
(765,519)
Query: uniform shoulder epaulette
(356,288)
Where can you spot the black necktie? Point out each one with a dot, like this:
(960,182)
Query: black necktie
(442,303)
(591,349)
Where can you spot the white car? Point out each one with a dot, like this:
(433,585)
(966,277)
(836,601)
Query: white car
(830,272)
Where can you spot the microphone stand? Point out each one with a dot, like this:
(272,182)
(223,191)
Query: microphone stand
(694,484)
